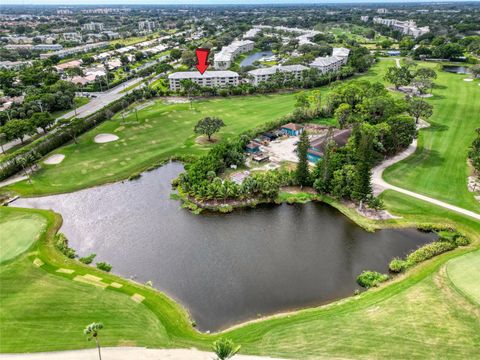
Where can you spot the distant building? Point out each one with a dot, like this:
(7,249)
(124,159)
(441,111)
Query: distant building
(292,129)
(68,65)
(209,78)
(48,47)
(13,64)
(408,27)
(93,26)
(364,18)
(19,47)
(74,50)
(72,36)
(147,26)
(334,62)
(250,34)
(223,60)
(264,74)
(64,12)
(111,34)
(382,11)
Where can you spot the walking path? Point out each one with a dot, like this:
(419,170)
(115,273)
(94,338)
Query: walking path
(125,353)
(379,185)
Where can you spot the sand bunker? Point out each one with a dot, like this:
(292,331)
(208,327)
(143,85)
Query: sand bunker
(54,159)
(468,80)
(105,138)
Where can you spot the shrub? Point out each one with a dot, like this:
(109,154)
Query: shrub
(61,243)
(398,265)
(104,266)
(430,250)
(368,279)
(88,259)
(462,241)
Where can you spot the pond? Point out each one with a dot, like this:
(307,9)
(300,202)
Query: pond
(249,60)
(224,269)
(456,69)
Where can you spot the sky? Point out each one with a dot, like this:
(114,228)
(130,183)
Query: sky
(204,2)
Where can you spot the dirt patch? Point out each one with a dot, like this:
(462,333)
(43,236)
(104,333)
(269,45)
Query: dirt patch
(203,140)
(105,138)
(297,190)
(54,159)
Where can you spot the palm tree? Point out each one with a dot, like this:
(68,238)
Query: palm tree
(225,349)
(92,332)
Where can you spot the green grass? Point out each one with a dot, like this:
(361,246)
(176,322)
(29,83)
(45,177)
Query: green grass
(19,232)
(163,131)
(464,272)
(41,309)
(417,315)
(439,166)
(424,313)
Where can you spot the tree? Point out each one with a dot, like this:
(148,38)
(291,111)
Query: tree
(18,129)
(399,76)
(42,120)
(474,153)
(302,101)
(225,349)
(209,126)
(362,188)
(419,108)
(401,134)
(175,54)
(475,69)
(71,127)
(302,173)
(91,332)
(343,114)
(3,140)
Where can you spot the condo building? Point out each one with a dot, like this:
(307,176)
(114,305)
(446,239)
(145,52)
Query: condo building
(209,78)
(223,60)
(264,74)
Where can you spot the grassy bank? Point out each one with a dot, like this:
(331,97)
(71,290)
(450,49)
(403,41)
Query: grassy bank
(439,166)
(381,323)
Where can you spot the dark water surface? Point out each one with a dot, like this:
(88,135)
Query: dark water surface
(249,60)
(456,69)
(230,268)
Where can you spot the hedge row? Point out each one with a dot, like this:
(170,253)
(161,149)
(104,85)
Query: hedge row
(448,240)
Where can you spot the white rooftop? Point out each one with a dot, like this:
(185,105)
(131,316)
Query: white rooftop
(340,52)
(325,61)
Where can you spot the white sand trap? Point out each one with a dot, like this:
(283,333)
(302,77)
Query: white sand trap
(54,159)
(137,298)
(105,138)
(469,80)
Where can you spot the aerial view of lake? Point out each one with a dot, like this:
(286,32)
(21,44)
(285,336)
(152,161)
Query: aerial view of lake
(224,269)
(249,60)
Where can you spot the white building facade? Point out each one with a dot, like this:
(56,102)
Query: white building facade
(209,78)
(223,60)
(408,27)
(264,74)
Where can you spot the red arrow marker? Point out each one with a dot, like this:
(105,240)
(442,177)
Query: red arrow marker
(202,59)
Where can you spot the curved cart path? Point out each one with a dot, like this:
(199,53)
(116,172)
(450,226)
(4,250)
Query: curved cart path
(379,185)
(125,353)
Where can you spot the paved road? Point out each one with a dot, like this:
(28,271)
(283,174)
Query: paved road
(102,99)
(98,102)
(379,185)
(125,353)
